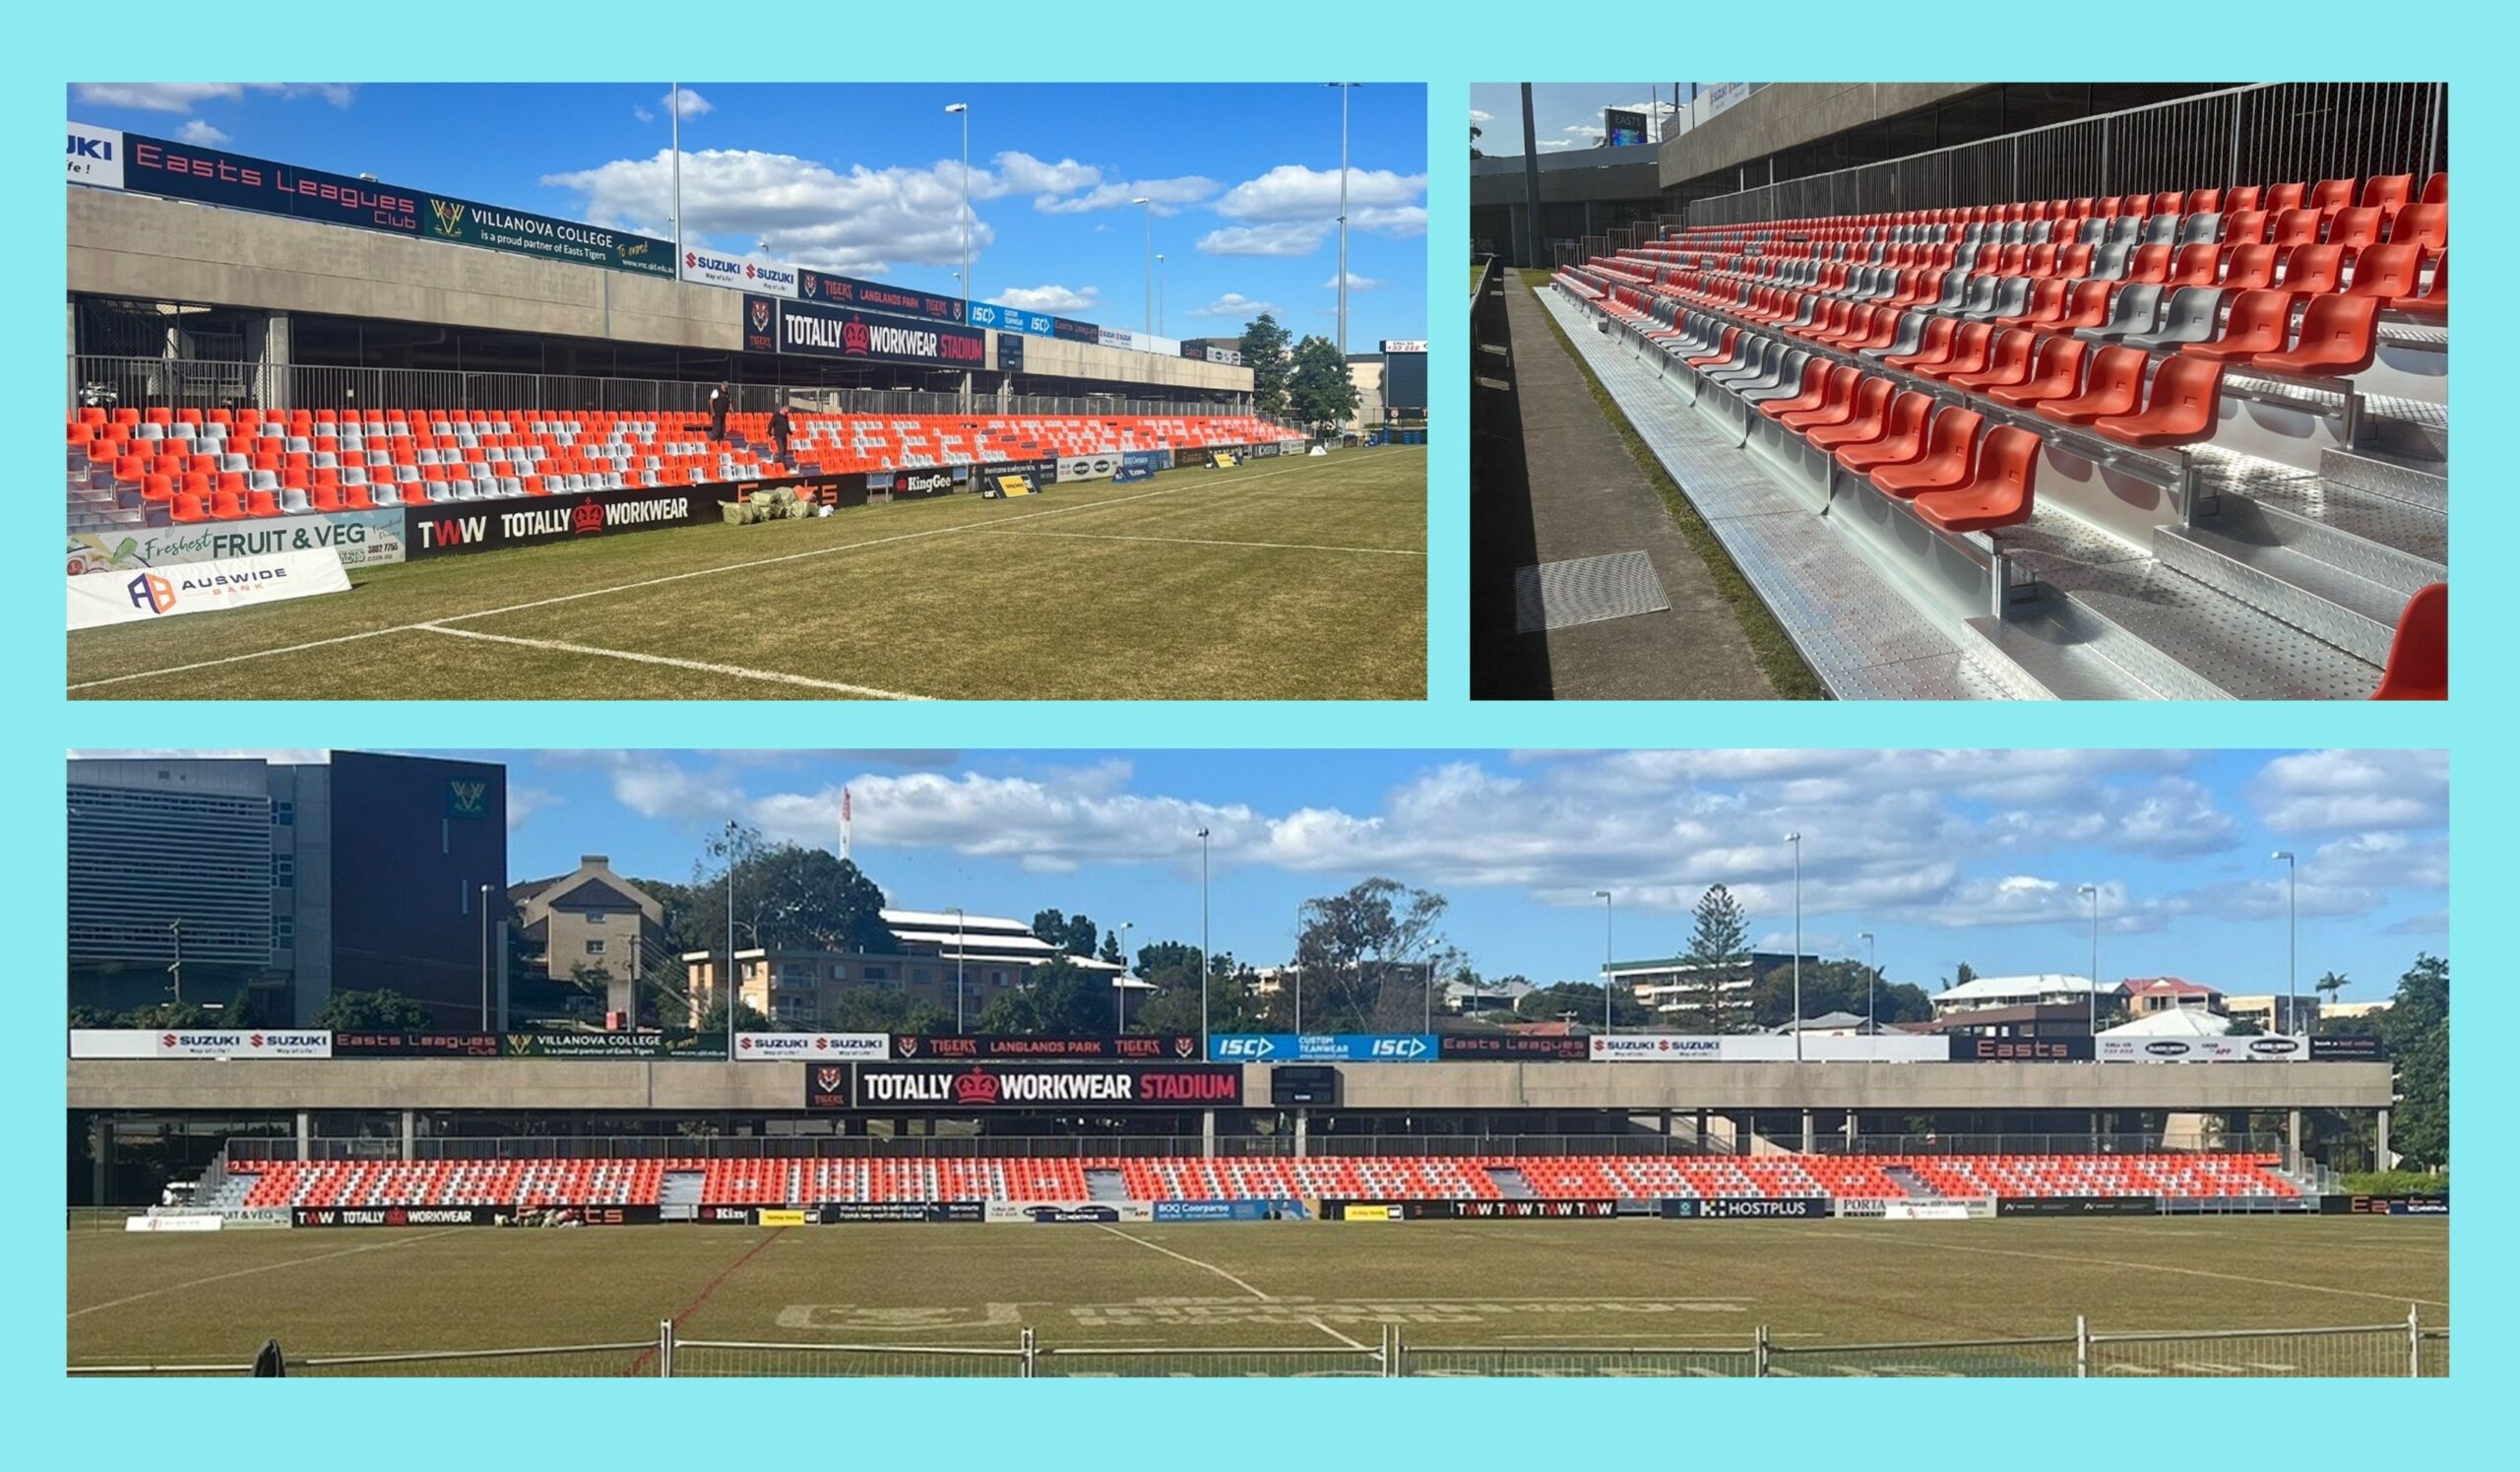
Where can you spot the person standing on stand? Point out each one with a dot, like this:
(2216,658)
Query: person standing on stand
(717,398)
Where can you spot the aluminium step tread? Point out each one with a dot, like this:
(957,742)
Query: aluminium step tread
(2299,511)
(2215,639)
(2355,614)
(2068,664)
(2416,479)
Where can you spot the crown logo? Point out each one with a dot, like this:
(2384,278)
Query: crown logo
(976,1087)
(588,517)
(853,338)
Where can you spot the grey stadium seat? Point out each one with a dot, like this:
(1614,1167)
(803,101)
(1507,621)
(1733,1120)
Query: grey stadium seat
(2194,316)
(2135,310)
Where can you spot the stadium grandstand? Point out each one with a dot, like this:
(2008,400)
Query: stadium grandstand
(2148,405)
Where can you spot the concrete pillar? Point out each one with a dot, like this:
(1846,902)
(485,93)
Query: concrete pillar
(411,1123)
(1850,1131)
(2292,1139)
(2380,1144)
(267,339)
(1300,1123)
(1810,1140)
(101,1144)
(1701,1130)
(1207,1134)
(305,1132)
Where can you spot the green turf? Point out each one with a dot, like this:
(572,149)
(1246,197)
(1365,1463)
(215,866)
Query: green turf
(154,1299)
(1289,579)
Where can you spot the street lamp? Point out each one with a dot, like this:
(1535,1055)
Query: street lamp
(957,971)
(485,960)
(1610,953)
(2092,1012)
(175,932)
(1795,839)
(733,997)
(1150,262)
(673,105)
(1344,88)
(2292,939)
(1158,293)
(1120,984)
(1203,942)
(1872,974)
(963,110)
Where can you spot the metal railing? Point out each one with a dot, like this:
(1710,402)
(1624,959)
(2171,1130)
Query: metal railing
(194,383)
(2265,132)
(2409,1349)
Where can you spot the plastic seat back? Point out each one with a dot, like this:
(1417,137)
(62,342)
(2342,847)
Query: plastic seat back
(2419,667)
(2386,272)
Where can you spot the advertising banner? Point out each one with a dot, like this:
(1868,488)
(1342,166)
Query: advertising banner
(1655,1047)
(2021,1050)
(907,485)
(835,1213)
(792,1048)
(1010,352)
(240,1044)
(742,274)
(361,539)
(2258,1049)
(441,528)
(611,1046)
(1742,1209)
(95,156)
(861,334)
(875,296)
(395,1216)
(1229,1211)
(999,1086)
(1322,1047)
(1074,330)
(1152,1048)
(415,1044)
(1157,343)
(1520,1209)
(1362,1211)
(1088,467)
(2346,1050)
(1146,459)
(1404,344)
(236,181)
(2400,1206)
(2077,1206)
(1082,1213)
(208,1223)
(1118,337)
(760,324)
(1012,319)
(99,598)
(1226,357)
(1512,1048)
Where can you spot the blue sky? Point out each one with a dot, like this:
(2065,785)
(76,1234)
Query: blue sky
(1564,114)
(1944,856)
(867,181)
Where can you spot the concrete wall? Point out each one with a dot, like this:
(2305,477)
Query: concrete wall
(142,246)
(575,1084)
(1786,114)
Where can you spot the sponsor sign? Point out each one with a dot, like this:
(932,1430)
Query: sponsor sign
(1074,330)
(1656,1047)
(145,594)
(1101,1213)
(95,156)
(1517,1209)
(1229,1211)
(864,336)
(1088,467)
(1224,356)
(237,181)
(709,268)
(913,484)
(1322,1047)
(1267,449)
(1010,352)
(199,1042)
(760,324)
(875,296)
(209,1223)
(1003,1087)
(1404,344)
(724,1216)
(2021,1050)
(361,539)
(2399,1205)
(1118,337)
(1157,343)
(1510,1047)
(442,528)
(1149,461)
(833,1213)
(774,1216)
(789,1048)
(395,1216)
(1011,319)
(1152,1048)
(415,1044)
(1354,1211)
(1002,486)
(2258,1049)
(1742,1209)
(2077,1206)
(2345,1050)
(608,1045)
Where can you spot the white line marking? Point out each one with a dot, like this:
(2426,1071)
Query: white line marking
(265,1268)
(1284,546)
(2190,1272)
(1228,1277)
(675,577)
(736,671)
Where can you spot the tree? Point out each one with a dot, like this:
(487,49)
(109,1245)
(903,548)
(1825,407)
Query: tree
(385,1012)
(786,898)
(1365,957)
(1474,136)
(1962,976)
(1720,951)
(2327,987)
(1834,987)
(1264,352)
(1584,1000)
(1233,1005)
(1319,390)
(2415,1031)
(747,1020)
(1111,950)
(1050,926)
(1058,999)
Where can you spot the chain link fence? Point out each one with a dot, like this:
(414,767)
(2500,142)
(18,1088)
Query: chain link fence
(2409,1349)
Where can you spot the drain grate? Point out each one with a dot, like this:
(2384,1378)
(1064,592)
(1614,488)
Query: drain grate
(1585,590)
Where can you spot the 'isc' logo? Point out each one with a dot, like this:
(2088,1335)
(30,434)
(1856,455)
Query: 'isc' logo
(1244,1048)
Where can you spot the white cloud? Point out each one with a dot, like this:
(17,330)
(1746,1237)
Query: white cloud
(525,801)
(2317,792)
(1356,283)
(1168,196)
(1051,298)
(1233,305)
(1025,174)
(862,221)
(692,103)
(184,97)
(643,114)
(1292,191)
(1477,116)
(1289,238)
(199,130)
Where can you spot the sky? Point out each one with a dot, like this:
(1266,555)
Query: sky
(1945,856)
(867,181)
(1564,114)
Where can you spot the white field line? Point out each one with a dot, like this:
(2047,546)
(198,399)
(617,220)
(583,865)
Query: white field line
(1228,1277)
(268,1267)
(655,582)
(1283,547)
(702,667)
(2144,1268)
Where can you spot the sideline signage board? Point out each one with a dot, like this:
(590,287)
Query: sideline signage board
(812,329)
(361,539)
(875,296)
(1742,1209)
(1322,1047)
(95,156)
(440,528)
(1013,319)
(741,272)
(1002,1086)
(415,1044)
(1515,1046)
(2397,1205)
(611,1046)
(99,598)
(237,1044)
(789,1048)
(2021,1050)
(2224,1050)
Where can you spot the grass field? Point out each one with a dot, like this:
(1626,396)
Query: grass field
(153,1299)
(1289,579)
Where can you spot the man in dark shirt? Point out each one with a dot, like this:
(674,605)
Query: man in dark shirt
(779,431)
(717,398)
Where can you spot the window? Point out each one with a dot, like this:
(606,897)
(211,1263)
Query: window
(284,872)
(597,916)
(879,972)
(283,815)
(594,947)
(921,976)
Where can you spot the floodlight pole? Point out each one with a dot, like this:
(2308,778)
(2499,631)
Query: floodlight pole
(673,104)
(1795,839)
(1120,984)
(485,958)
(2292,941)
(965,110)
(957,971)
(1149,318)
(731,991)
(2091,996)
(175,932)
(1203,943)
(1871,975)
(1610,953)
